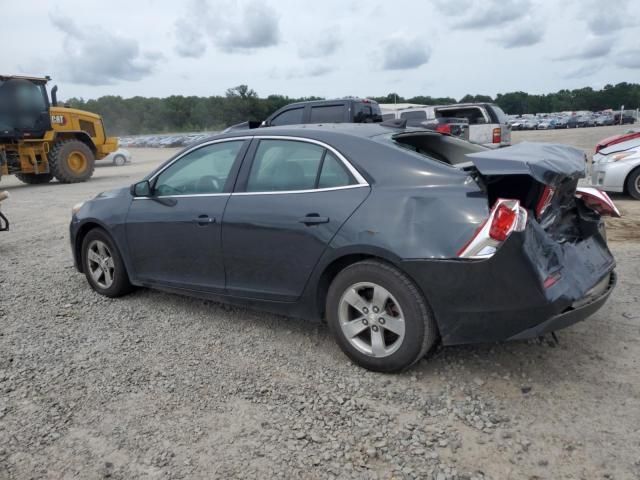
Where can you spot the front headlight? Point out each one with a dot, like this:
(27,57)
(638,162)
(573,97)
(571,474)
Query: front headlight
(614,157)
(76,208)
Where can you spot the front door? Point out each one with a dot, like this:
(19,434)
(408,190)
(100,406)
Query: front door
(291,200)
(174,235)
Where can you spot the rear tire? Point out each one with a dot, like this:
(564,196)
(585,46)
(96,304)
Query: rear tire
(34,179)
(71,161)
(633,184)
(119,160)
(392,327)
(103,265)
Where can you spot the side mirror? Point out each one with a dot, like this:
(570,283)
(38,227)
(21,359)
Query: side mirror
(141,189)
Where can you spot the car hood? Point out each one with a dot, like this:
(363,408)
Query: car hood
(620,147)
(118,192)
(547,163)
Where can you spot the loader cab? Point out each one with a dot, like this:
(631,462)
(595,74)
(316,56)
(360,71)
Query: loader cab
(24,108)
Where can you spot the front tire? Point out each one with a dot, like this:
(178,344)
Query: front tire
(379,318)
(71,161)
(633,184)
(103,266)
(119,160)
(34,179)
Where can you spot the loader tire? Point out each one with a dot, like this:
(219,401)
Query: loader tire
(71,161)
(34,179)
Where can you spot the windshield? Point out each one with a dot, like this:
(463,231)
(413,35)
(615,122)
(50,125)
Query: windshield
(22,104)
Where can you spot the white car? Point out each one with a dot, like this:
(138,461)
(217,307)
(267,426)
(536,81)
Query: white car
(617,168)
(119,157)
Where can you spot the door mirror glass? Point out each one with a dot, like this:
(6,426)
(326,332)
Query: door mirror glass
(141,189)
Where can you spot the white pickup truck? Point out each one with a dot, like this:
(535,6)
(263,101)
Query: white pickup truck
(488,124)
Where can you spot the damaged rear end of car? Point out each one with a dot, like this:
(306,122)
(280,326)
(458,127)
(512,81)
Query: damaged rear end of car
(537,263)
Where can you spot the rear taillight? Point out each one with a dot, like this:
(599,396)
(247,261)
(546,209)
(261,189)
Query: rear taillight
(504,221)
(446,128)
(497,135)
(506,216)
(598,201)
(544,201)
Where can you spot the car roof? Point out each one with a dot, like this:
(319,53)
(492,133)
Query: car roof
(330,100)
(325,130)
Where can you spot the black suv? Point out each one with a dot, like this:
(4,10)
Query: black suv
(349,110)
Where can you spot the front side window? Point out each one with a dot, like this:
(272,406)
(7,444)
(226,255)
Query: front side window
(201,171)
(289,117)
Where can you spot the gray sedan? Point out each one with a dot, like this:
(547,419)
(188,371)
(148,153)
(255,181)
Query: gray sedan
(397,238)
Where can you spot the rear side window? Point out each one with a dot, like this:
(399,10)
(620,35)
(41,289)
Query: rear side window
(281,165)
(327,114)
(334,173)
(289,117)
(415,115)
(289,165)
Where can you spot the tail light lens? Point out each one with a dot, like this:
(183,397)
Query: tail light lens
(598,201)
(504,221)
(446,128)
(497,135)
(544,201)
(506,216)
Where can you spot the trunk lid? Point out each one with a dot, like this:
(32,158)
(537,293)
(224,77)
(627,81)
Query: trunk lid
(544,178)
(549,164)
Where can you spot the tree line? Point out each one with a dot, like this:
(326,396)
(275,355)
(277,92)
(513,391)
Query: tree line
(177,113)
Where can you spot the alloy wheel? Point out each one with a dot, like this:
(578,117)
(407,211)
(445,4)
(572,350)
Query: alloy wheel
(371,319)
(100,263)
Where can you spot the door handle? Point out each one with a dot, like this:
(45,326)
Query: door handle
(313,219)
(204,220)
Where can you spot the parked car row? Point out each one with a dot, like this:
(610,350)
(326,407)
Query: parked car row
(163,141)
(550,121)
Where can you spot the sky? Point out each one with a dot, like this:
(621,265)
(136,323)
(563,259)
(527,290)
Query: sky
(327,48)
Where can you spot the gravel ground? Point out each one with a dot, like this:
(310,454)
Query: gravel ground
(160,386)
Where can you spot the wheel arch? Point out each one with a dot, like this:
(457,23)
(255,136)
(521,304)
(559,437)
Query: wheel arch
(343,260)
(626,179)
(81,234)
(77,135)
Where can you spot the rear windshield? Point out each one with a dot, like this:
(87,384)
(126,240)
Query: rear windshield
(433,147)
(327,114)
(366,113)
(497,114)
(473,114)
(414,115)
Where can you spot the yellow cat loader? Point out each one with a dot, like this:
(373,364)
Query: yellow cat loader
(40,140)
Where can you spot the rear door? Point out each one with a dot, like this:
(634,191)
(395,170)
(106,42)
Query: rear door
(291,198)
